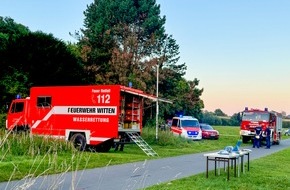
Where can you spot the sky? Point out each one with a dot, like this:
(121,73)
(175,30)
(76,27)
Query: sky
(238,50)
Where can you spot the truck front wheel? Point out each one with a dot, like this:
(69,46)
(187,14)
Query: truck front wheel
(79,141)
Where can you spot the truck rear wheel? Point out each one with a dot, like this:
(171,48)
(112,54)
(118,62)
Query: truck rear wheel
(79,141)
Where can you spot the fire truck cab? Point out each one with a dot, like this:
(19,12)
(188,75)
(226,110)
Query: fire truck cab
(96,115)
(187,127)
(251,118)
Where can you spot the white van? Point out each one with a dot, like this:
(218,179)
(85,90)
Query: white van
(187,127)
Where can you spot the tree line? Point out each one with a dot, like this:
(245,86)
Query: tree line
(121,42)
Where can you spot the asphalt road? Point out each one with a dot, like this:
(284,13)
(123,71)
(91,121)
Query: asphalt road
(130,176)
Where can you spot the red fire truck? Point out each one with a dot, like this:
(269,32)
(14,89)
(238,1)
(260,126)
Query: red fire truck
(251,118)
(95,115)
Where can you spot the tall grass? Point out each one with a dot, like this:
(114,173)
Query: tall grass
(2,120)
(23,144)
(22,156)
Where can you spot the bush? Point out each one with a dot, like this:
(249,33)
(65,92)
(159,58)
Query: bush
(286,124)
(2,120)
(165,138)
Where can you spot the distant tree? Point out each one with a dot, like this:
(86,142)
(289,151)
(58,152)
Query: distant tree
(283,114)
(235,119)
(11,79)
(219,112)
(10,30)
(189,98)
(207,117)
(35,59)
(210,118)
(125,41)
(45,60)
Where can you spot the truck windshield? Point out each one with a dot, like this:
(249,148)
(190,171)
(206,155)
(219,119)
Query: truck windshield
(17,107)
(255,116)
(189,123)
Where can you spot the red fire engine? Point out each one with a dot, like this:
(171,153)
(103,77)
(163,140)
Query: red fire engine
(95,115)
(251,118)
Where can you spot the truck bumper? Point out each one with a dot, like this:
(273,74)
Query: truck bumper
(246,133)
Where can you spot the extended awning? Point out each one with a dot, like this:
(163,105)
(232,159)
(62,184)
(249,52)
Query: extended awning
(141,93)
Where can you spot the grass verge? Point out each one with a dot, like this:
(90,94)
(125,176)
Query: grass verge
(265,173)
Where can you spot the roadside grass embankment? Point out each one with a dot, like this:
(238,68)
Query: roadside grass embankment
(267,173)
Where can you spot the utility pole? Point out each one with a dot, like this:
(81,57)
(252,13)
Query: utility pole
(157,105)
